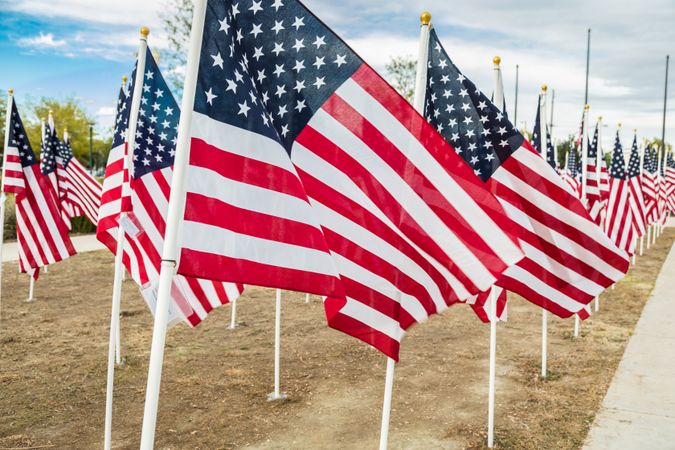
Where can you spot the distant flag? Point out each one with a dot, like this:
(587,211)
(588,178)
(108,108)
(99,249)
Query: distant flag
(536,141)
(670,183)
(569,260)
(144,198)
(571,173)
(649,185)
(595,202)
(309,172)
(620,226)
(42,235)
(48,150)
(636,199)
(661,183)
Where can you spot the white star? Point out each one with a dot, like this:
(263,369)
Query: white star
(257,29)
(299,65)
(277,4)
(243,108)
(284,130)
(240,36)
(502,130)
(319,62)
(445,79)
(299,43)
(278,48)
(487,144)
(146,162)
(282,111)
(149,74)
(500,116)
(258,53)
(163,136)
(153,119)
(231,86)
(319,82)
(299,22)
(155,106)
(450,108)
(235,9)
(300,105)
(340,60)
(279,69)
(461,78)
(299,85)
(443,64)
(482,105)
(463,93)
(146,88)
(168,111)
(266,121)
(217,60)
(465,107)
(474,160)
(281,90)
(483,119)
(256,7)
(261,75)
(158,158)
(319,41)
(239,77)
(452,122)
(490,157)
(447,93)
(224,26)
(470,133)
(210,96)
(278,26)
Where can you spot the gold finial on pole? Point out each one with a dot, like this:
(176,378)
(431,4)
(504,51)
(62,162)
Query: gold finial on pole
(496,60)
(10,91)
(425,18)
(619,125)
(124,80)
(635,130)
(599,118)
(586,107)
(50,111)
(544,88)
(145,31)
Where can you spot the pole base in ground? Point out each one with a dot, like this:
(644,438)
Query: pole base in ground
(273,396)
(306,298)
(29,300)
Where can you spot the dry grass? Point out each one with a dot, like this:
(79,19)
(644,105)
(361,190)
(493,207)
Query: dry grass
(53,361)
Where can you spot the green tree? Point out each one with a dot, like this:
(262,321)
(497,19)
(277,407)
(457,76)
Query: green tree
(177,20)
(562,148)
(402,70)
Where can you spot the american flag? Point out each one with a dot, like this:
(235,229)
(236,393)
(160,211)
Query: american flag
(41,233)
(636,199)
(569,259)
(595,201)
(145,200)
(77,186)
(670,183)
(48,166)
(571,174)
(536,136)
(649,185)
(662,201)
(482,304)
(309,172)
(620,227)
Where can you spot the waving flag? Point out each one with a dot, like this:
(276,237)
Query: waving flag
(481,304)
(48,166)
(536,133)
(619,214)
(649,185)
(569,259)
(309,172)
(636,199)
(142,192)
(662,200)
(596,204)
(77,187)
(42,235)
(572,174)
(670,183)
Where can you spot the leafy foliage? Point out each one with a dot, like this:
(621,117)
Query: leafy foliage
(402,71)
(177,20)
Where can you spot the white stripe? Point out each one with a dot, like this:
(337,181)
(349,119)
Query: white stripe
(545,290)
(219,241)
(26,236)
(373,319)
(331,176)
(416,153)
(49,220)
(408,199)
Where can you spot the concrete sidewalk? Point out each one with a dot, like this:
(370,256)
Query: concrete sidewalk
(84,243)
(638,411)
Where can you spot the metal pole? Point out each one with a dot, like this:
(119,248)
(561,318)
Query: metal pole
(91,147)
(515,103)
(665,102)
(552,102)
(588,62)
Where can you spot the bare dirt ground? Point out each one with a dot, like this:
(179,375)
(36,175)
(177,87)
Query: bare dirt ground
(215,382)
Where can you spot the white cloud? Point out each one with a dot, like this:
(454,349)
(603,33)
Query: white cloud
(42,41)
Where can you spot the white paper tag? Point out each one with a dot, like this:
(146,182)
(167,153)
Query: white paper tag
(149,292)
(129,226)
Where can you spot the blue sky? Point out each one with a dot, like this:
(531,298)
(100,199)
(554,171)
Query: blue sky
(81,48)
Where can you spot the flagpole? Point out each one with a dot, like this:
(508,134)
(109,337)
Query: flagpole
(588,63)
(641,156)
(584,180)
(515,103)
(600,159)
(499,100)
(170,250)
(233,317)
(113,343)
(418,104)
(307,297)
(663,137)
(31,288)
(543,147)
(3,197)
(277,395)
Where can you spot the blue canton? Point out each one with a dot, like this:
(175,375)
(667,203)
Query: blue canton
(634,161)
(480,133)
(48,150)
(19,139)
(268,68)
(572,161)
(122,114)
(617,168)
(593,146)
(536,141)
(157,125)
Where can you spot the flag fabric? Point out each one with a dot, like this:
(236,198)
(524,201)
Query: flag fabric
(670,183)
(141,191)
(649,185)
(48,166)
(536,140)
(595,202)
(571,174)
(569,259)
(482,303)
(308,171)
(42,236)
(662,202)
(620,226)
(77,187)
(636,199)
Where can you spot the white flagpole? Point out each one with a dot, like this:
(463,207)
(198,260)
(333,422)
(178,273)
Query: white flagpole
(3,198)
(113,344)
(641,154)
(600,159)
(499,100)
(233,317)
(386,404)
(584,180)
(307,297)
(543,148)
(31,288)
(170,251)
(277,395)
